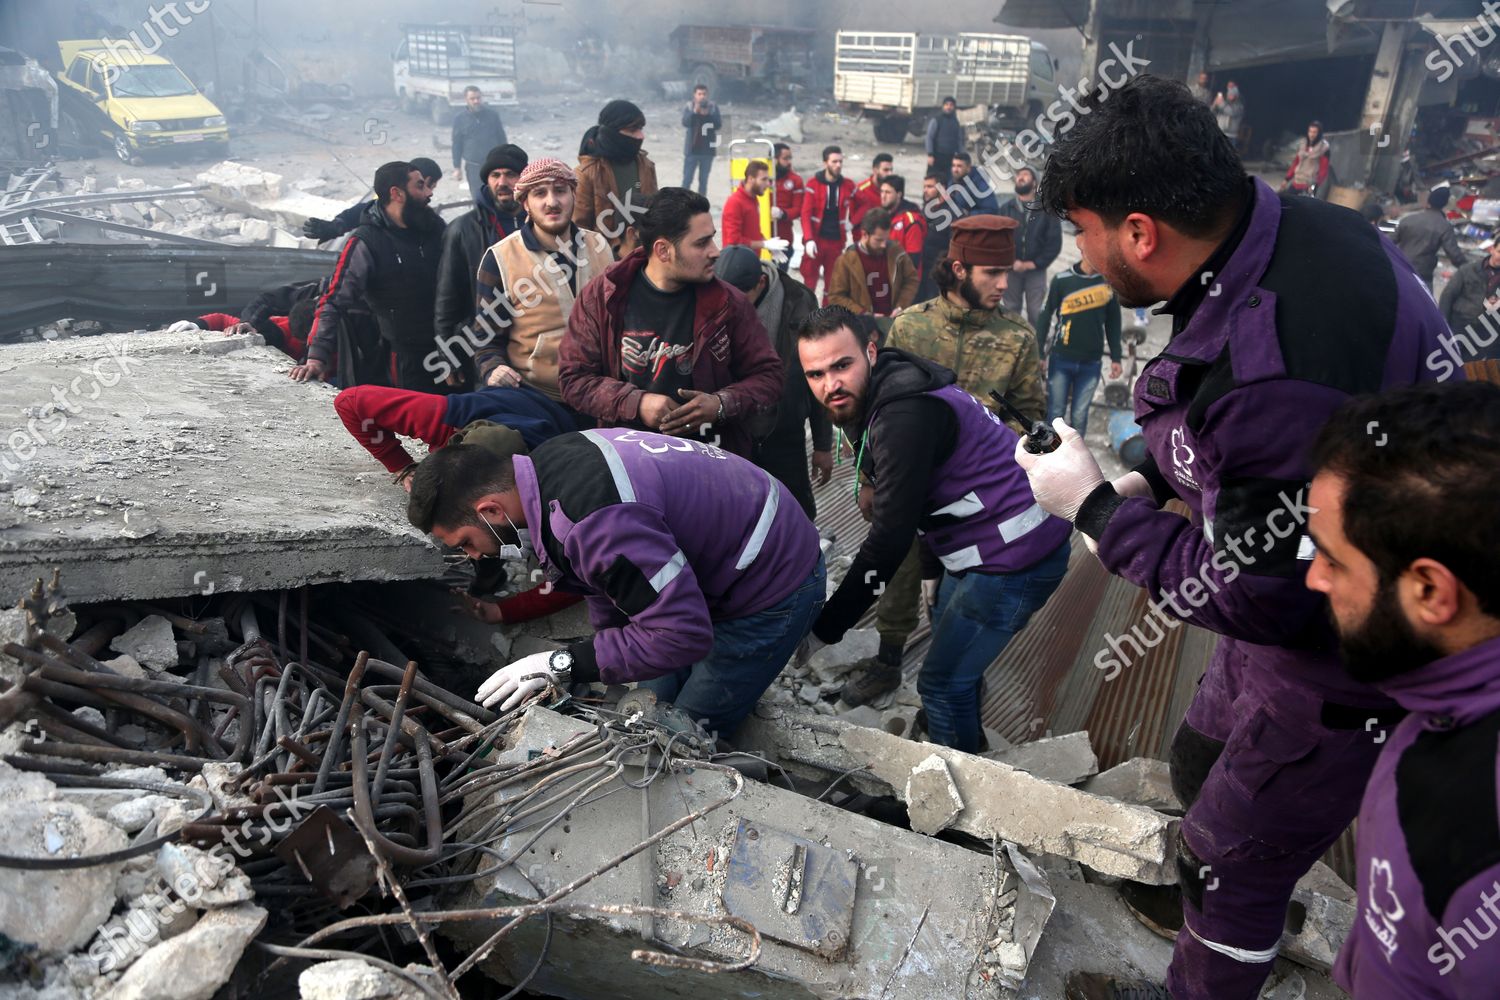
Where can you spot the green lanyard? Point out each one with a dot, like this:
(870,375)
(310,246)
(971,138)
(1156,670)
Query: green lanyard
(858,459)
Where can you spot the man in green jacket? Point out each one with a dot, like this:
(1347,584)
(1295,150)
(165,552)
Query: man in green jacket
(1086,314)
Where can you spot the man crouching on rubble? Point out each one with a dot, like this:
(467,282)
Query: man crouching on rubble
(941,465)
(701,570)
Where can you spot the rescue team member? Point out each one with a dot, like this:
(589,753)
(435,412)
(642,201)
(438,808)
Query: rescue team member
(908,228)
(701,571)
(825,219)
(389,267)
(1275,749)
(1417,607)
(323,230)
(659,343)
(867,192)
(529,282)
(789,192)
(941,467)
(741,215)
(988,350)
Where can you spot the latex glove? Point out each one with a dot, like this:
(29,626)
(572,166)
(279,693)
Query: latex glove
(810,248)
(777,213)
(1061,479)
(1133,484)
(514,683)
(777,246)
(930,592)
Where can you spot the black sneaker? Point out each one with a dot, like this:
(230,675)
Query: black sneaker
(873,678)
(1159,907)
(1102,986)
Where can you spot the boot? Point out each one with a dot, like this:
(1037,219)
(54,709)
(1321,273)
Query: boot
(874,676)
(1101,986)
(1159,907)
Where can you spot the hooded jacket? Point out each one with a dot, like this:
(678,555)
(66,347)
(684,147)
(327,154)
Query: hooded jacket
(464,243)
(731,355)
(666,536)
(1428,840)
(797,403)
(390,271)
(849,284)
(601,206)
(943,466)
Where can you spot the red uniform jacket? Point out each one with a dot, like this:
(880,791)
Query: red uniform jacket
(741,222)
(866,197)
(219,322)
(816,197)
(789,192)
(732,355)
(909,229)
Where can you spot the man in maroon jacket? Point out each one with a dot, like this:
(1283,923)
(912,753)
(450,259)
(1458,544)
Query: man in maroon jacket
(659,343)
(825,219)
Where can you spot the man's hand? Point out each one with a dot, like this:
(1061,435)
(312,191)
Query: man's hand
(701,408)
(1022,265)
(310,370)
(897,312)
(866,500)
(503,376)
(930,594)
(320,230)
(654,409)
(511,685)
(486,611)
(1115,369)
(777,213)
(810,248)
(1061,479)
(239,330)
(931,160)
(777,246)
(822,467)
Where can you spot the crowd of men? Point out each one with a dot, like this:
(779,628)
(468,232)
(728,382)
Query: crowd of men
(622,406)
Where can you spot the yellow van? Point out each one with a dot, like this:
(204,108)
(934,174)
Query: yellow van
(136,101)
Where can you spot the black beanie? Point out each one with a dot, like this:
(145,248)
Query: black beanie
(621,114)
(508,157)
(1438,197)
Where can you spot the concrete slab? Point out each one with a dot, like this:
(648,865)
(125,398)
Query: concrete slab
(154,465)
(1066,759)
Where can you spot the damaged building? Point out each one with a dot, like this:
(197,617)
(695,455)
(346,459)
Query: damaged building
(241,749)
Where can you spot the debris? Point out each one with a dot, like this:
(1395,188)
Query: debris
(833,664)
(150,643)
(787,125)
(193,965)
(1067,759)
(1141,781)
(1327,908)
(351,979)
(932,799)
(55,911)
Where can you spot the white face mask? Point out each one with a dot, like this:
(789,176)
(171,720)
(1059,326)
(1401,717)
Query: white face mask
(521,551)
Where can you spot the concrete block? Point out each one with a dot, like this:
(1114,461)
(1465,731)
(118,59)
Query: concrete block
(899,721)
(193,965)
(1141,781)
(1066,759)
(864,715)
(56,911)
(258,230)
(150,643)
(1323,912)
(932,799)
(835,663)
(351,979)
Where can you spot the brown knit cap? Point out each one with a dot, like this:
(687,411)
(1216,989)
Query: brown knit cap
(984,241)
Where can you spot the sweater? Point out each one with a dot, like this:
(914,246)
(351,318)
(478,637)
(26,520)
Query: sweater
(1087,314)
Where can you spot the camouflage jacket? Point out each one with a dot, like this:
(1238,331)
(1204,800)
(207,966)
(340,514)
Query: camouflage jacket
(988,349)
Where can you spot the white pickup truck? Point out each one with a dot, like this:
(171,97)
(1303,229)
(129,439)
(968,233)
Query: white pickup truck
(434,63)
(898,79)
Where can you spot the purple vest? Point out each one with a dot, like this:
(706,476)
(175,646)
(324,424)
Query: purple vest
(980,514)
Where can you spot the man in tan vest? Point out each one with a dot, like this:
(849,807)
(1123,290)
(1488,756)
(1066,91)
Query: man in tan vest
(529,280)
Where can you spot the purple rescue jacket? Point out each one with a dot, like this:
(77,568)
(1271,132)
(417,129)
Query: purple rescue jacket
(1428,917)
(1312,306)
(666,536)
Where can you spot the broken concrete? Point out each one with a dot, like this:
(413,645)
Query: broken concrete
(193,965)
(834,663)
(262,195)
(932,799)
(1067,759)
(150,643)
(55,911)
(1142,781)
(1111,837)
(1323,911)
(351,979)
(180,464)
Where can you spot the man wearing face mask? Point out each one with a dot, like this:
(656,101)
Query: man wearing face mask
(659,343)
(389,267)
(496,214)
(701,570)
(615,176)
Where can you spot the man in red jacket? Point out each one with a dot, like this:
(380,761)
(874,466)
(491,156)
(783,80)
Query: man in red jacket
(789,192)
(908,227)
(659,343)
(741,218)
(867,191)
(825,219)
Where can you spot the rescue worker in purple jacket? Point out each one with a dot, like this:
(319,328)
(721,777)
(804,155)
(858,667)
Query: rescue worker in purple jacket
(939,462)
(1404,500)
(701,570)
(1281,308)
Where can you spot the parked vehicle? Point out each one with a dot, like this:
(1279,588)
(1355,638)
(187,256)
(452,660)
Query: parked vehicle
(434,63)
(28,108)
(899,79)
(137,103)
(752,55)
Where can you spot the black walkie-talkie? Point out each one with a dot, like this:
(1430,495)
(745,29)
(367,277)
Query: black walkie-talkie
(1040,439)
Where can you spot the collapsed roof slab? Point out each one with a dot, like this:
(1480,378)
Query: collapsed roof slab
(154,465)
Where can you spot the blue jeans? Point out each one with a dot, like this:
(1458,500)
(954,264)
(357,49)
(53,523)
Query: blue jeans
(748,653)
(975,618)
(700,162)
(1064,376)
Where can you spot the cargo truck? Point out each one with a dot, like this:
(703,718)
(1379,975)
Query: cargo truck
(435,63)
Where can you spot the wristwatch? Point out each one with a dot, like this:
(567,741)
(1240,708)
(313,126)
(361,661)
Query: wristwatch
(560,664)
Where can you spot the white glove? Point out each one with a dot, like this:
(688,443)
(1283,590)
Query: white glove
(777,213)
(516,682)
(810,248)
(930,592)
(1133,484)
(1061,479)
(778,247)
